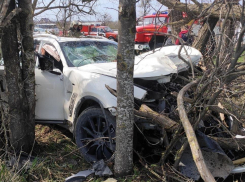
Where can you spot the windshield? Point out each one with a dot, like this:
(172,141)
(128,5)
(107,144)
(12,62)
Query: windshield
(108,29)
(160,20)
(157,21)
(89,52)
(148,21)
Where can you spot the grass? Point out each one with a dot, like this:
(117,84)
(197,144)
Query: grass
(56,157)
(241,58)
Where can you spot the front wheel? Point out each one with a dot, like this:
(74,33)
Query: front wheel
(94,137)
(111,38)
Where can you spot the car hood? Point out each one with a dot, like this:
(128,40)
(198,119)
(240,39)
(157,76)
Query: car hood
(152,65)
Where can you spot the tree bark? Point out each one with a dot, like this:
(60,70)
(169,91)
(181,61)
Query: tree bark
(204,34)
(191,136)
(217,9)
(175,16)
(20,108)
(28,70)
(125,91)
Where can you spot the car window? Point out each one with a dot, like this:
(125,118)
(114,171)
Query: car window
(160,20)
(89,52)
(49,51)
(93,29)
(108,29)
(101,30)
(148,21)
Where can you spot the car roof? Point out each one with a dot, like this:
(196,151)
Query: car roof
(71,39)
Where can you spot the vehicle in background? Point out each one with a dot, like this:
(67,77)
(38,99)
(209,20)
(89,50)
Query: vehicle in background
(95,30)
(48,28)
(151,30)
(38,30)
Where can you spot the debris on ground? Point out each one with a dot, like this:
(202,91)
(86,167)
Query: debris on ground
(187,133)
(99,168)
(110,180)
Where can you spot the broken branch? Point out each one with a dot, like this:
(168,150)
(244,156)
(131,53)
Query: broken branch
(156,118)
(230,143)
(191,136)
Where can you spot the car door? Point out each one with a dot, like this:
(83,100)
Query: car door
(94,31)
(49,90)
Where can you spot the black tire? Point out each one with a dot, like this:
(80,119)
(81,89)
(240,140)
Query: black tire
(111,38)
(92,135)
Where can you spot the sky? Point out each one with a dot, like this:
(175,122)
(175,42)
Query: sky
(103,6)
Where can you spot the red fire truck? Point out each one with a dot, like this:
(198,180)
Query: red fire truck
(97,30)
(150,31)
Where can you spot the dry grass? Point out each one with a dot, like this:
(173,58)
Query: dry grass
(56,157)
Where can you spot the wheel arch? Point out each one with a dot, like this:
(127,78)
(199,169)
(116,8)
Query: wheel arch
(84,103)
(111,37)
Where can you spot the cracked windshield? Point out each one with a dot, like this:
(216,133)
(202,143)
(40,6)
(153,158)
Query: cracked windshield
(89,52)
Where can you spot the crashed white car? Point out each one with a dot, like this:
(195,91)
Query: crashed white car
(71,74)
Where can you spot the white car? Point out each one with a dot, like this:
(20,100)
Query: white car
(71,74)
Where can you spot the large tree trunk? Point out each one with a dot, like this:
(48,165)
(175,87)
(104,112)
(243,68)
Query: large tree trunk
(175,15)
(28,68)
(125,91)
(19,114)
(204,34)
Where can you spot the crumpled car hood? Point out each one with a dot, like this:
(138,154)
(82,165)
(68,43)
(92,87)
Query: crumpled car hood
(162,62)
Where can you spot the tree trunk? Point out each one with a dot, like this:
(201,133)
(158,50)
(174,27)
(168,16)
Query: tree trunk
(28,70)
(20,111)
(125,91)
(227,44)
(204,34)
(175,15)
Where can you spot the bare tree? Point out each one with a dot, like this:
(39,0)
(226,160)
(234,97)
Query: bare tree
(105,18)
(145,6)
(81,6)
(125,92)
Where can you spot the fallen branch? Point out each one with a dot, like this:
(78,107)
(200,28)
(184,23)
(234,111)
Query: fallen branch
(195,149)
(239,161)
(186,99)
(230,143)
(159,119)
(155,118)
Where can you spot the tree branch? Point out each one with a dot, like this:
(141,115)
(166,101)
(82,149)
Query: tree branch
(10,16)
(197,3)
(4,10)
(195,9)
(195,149)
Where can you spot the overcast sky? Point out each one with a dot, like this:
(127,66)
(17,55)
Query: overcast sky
(102,6)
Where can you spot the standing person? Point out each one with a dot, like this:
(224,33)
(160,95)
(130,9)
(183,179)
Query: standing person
(185,36)
(80,26)
(74,29)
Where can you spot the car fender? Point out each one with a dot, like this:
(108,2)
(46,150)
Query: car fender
(92,85)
